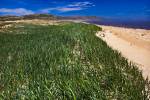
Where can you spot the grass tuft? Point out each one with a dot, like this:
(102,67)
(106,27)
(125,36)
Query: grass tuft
(66,61)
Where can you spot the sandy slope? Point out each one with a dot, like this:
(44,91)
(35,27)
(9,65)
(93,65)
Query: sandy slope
(134,44)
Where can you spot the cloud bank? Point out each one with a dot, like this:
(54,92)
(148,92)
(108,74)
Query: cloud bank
(17,11)
(74,6)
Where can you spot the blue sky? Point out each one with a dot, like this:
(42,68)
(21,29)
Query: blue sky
(134,9)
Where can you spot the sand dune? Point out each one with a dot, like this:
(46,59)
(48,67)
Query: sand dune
(133,44)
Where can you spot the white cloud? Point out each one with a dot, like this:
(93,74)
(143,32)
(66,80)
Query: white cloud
(67,9)
(47,10)
(81,4)
(16,11)
(61,9)
(76,6)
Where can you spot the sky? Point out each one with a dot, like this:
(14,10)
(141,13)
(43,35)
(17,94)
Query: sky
(128,9)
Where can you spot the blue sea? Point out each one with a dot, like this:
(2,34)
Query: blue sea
(140,24)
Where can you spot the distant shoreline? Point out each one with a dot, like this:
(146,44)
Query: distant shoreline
(134,24)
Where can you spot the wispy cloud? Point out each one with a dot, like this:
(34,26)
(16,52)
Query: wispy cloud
(75,6)
(81,4)
(61,9)
(148,10)
(67,9)
(16,11)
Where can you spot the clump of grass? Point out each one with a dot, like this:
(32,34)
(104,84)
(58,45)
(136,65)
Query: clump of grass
(65,62)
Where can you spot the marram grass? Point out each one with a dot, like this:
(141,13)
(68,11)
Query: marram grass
(65,62)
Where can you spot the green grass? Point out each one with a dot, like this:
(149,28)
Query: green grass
(62,62)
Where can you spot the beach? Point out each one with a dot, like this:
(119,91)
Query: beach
(59,55)
(133,44)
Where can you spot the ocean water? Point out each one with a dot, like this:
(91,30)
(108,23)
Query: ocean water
(140,24)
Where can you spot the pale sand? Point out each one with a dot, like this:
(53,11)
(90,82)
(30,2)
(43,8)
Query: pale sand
(134,44)
(36,22)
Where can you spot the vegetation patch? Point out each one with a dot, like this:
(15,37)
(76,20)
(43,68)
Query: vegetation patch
(65,61)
